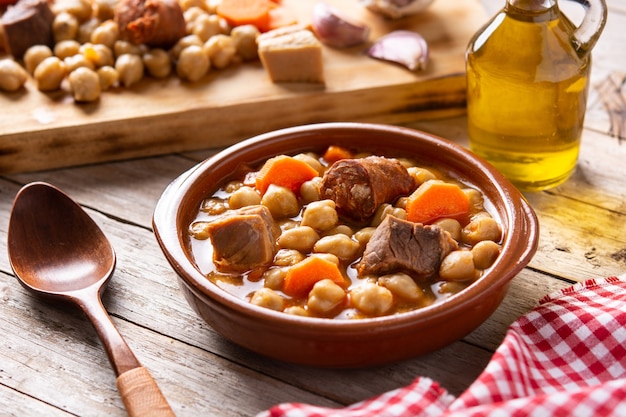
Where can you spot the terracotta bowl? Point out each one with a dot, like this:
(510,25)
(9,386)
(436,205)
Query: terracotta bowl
(345,343)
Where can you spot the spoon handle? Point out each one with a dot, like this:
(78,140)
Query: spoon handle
(139,391)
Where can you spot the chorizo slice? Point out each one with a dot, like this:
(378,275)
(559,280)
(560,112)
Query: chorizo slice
(359,186)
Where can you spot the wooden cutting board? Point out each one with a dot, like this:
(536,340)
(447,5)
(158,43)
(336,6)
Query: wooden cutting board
(42,131)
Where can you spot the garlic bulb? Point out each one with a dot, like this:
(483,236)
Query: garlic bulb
(396,8)
(334,29)
(402,47)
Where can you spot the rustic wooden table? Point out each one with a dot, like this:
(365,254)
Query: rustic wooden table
(51,362)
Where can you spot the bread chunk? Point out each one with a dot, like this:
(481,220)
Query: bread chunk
(291,54)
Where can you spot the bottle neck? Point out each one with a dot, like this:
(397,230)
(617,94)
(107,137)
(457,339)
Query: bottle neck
(531,6)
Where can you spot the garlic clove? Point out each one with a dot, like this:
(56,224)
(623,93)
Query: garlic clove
(334,29)
(403,47)
(396,9)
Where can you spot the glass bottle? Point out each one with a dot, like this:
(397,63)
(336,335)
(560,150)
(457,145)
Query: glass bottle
(527,81)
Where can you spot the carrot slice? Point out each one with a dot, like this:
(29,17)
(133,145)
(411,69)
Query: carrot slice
(245,12)
(301,277)
(279,16)
(435,200)
(285,171)
(335,153)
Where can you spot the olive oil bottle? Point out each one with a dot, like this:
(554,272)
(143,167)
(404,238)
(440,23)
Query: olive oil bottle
(527,82)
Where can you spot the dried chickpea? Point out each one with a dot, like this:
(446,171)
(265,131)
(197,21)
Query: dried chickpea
(100,54)
(385,210)
(310,190)
(325,296)
(211,5)
(328,257)
(34,55)
(77,61)
(158,63)
(86,29)
(190,14)
(341,229)
(458,265)
(281,202)
(81,9)
(451,226)
(104,9)
(183,43)
(481,228)
(192,64)
(268,298)
(129,68)
(12,75)
(244,38)
(485,253)
(85,84)
(106,33)
(296,311)
(402,285)
(243,197)
(274,278)
(287,257)
(108,77)
(364,235)
(299,238)
(205,26)
(121,47)
(372,299)
(50,73)
(339,245)
(66,48)
(220,50)
(64,27)
(312,161)
(475,198)
(320,215)
(421,175)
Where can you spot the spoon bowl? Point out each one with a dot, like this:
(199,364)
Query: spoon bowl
(56,250)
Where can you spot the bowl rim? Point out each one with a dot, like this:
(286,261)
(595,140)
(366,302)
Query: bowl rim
(522,244)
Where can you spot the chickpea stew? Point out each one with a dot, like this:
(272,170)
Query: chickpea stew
(344,235)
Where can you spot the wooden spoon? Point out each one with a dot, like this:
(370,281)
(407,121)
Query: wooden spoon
(58,251)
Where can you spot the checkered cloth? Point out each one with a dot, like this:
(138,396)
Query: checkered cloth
(566,357)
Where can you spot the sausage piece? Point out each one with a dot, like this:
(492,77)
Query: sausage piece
(359,186)
(156,23)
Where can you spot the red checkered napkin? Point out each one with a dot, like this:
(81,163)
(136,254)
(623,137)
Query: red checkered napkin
(566,357)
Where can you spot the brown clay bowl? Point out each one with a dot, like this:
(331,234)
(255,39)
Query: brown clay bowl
(345,343)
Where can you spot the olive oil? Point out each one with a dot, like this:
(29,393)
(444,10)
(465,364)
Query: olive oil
(526,95)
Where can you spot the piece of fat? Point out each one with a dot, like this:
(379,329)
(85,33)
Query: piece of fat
(291,54)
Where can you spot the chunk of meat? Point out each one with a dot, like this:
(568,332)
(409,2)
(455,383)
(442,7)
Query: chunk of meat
(401,246)
(244,239)
(27,23)
(359,186)
(156,23)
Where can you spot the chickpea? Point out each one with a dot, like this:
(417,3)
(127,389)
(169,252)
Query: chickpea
(190,14)
(85,84)
(320,215)
(77,61)
(309,159)
(243,197)
(475,198)
(81,9)
(205,26)
(188,4)
(421,175)
(106,33)
(340,245)
(372,299)
(220,50)
(50,73)
(451,226)
(183,43)
(86,29)
(34,55)
(121,47)
(12,75)
(296,311)
(268,298)
(485,253)
(458,265)
(64,27)
(402,285)
(385,210)
(274,278)
(299,238)
(213,206)
(341,229)
(287,257)
(199,230)
(211,5)
(281,202)
(310,190)
(481,228)
(108,77)
(100,55)
(104,9)
(66,49)
(364,235)
(327,257)
(158,63)
(129,68)
(193,64)
(325,296)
